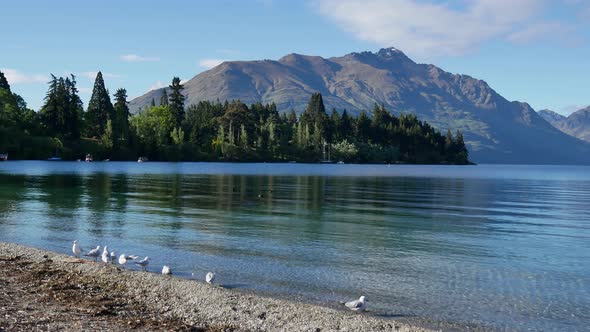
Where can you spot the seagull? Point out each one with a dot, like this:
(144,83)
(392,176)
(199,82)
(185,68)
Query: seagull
(123,259)
(358,305)
(93,253)
(76,249)
(210,277)
(166,270)
(113,257)
(143,263)
(105,255)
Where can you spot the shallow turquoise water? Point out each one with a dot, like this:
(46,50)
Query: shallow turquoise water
(500,246)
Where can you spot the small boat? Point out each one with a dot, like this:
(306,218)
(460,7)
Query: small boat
(54,158)
(142,159)
(3,156)
(340,162)
(88,157)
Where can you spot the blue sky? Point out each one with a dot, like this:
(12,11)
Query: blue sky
(536,51)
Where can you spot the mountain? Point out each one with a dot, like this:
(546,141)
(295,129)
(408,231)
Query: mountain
(495,129)
(576,124)
(552,117)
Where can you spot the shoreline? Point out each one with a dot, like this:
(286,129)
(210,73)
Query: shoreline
(58,291)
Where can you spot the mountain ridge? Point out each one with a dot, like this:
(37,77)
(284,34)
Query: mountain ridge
(576,124)
(496,130)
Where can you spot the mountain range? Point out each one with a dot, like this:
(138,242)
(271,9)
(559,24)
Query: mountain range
(496,130)
(576,124)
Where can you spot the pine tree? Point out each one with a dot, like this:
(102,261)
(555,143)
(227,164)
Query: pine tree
(177,100)
(121,126)
(74,109)
(164,98)
(345,127)
(153,103)
(363,127)
(333,134)
(4,82)
(100,108)
(62,108)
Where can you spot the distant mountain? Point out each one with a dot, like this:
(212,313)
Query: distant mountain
(551,117)
(576,124)
(496,130)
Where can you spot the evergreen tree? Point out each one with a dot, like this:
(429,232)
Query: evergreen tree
(345,127)
(4,82)
(121,126)
(164,98)
(315,113)
(100,108)
(177,100)
(74,109)
(333,134)
(461,151)
(363,127)
(62,108)
(153,103)
(292,117)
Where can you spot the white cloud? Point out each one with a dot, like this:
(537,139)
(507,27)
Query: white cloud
(91,75)
(16,77)
(137,58)
(156,86)
(545,30)
(425,28)
(210,63)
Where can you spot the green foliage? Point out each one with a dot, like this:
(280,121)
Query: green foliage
(177,136)
(177,100)
(121,131)
(61,111)
(164,98)
(213,131)
(345,151)
(107,137)
(4,82)
(100,109)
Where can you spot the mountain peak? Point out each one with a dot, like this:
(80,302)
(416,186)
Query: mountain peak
(389,52)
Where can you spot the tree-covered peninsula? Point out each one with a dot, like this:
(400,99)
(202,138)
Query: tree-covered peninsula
(167,130)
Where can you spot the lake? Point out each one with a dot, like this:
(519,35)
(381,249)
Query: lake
(499,246)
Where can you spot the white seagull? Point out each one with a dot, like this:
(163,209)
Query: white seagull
(143,263)
(123,258)
(358,305)
(105,255)
(166,270)
(113,257)
(210,277)
(94,253)
(76,249)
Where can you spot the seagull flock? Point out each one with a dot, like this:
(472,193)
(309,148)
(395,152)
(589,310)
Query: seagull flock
(110,257)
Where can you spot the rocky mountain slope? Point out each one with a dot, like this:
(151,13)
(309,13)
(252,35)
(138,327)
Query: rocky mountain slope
(576,124)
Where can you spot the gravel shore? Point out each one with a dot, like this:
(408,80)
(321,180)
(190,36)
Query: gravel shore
(42,290)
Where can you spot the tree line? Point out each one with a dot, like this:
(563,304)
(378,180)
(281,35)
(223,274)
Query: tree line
(212,131)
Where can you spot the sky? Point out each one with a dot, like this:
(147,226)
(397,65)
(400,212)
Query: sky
(536,51)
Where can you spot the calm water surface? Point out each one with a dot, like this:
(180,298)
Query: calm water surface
(499,246)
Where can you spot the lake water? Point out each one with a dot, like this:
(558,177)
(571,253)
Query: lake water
(497,246)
